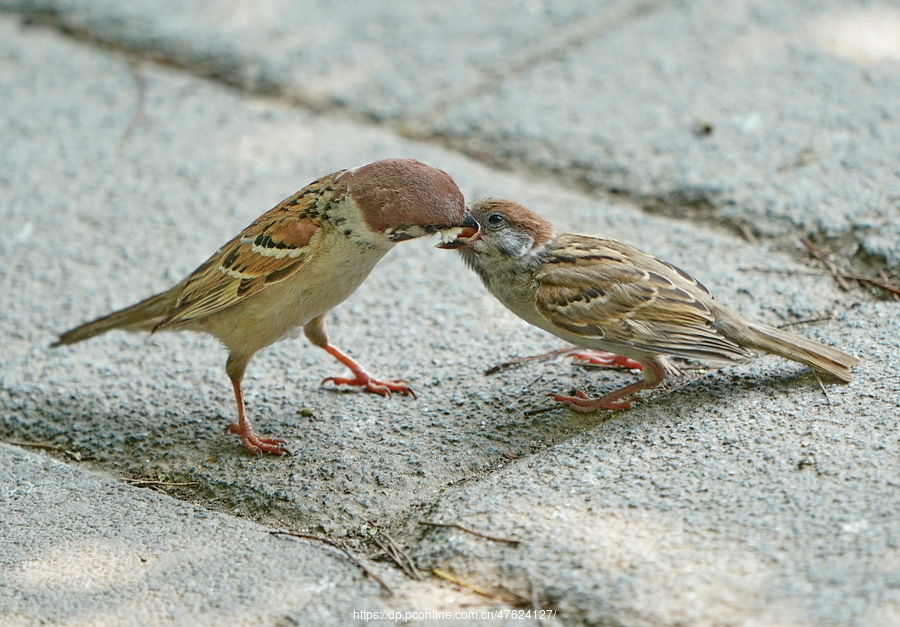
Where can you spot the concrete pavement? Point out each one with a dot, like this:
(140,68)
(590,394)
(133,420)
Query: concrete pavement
(138,137)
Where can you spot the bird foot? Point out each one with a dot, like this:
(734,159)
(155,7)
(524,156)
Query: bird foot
(605,360)
(583,403)
(371,384)
(256,444)
(363,379)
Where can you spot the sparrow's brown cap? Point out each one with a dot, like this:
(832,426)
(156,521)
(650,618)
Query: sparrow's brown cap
(403,192)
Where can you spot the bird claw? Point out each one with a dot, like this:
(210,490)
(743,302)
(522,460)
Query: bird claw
(583,403)
(371,384)
(256,444)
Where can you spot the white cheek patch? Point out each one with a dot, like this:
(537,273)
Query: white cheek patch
(449,235)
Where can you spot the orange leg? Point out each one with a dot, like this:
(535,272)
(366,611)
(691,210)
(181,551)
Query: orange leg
(364,379)
(654,373)
(243,428)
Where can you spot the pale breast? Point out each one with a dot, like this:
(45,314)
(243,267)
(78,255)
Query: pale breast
(281,309)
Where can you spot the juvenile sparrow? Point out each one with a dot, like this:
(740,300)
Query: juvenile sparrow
(295,263)
(600,293)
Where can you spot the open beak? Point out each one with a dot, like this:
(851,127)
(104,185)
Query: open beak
(467,231)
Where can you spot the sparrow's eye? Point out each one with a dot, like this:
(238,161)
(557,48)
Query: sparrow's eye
(496,219)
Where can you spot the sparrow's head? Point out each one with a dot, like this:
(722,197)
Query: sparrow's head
(402,199)
(495,226)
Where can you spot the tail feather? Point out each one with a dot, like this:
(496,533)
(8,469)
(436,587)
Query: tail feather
(142,316)
(814,354)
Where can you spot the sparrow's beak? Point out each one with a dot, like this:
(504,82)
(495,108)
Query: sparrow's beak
(465,232)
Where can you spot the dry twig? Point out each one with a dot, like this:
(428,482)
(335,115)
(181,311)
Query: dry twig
(542,410)
(157,482)
(471,531)
(50,447)
(804,321)
(512,598)
(393,550)
(824,259)
(521,599)
(141,106)
(522,360)
(78,457)
(842,275)
(822,387)
(443,574)
(340,547)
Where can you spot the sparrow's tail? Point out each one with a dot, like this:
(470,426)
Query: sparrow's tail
(794,347)
(142,316)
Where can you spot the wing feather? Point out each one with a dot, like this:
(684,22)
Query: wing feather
(273,248)
(629,299)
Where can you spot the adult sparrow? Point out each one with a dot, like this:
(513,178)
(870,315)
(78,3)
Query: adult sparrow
(295,263)
(600,293)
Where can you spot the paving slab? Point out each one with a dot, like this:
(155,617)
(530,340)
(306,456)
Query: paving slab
(775,119)
(86,208)
(390,60)
(128,182)
(131,218)
(747,498)
(778,119)
(84,549)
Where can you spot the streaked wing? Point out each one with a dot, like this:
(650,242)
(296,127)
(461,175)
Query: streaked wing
(273,248)
(606,290)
